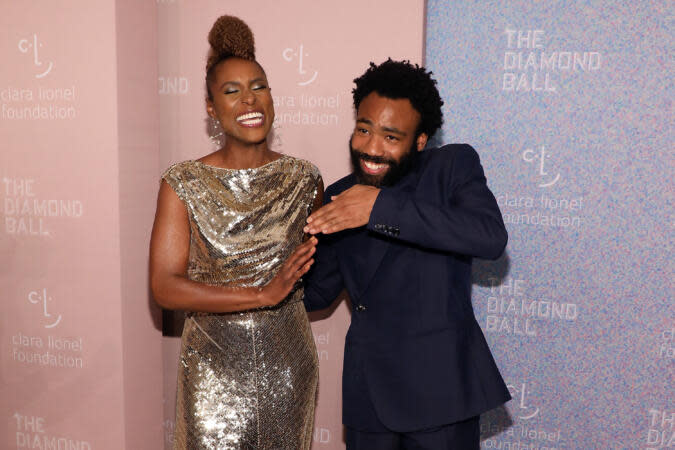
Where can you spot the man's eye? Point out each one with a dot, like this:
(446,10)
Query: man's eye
(362,131)
(389,137)
(231,91)
(259,87)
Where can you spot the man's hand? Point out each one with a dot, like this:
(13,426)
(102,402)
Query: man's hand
(350,209)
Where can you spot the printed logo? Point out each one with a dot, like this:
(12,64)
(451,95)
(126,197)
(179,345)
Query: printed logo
(291,54)
(525,410)
(660,433)
(322,342)
(32,45)
(523,434)
(37,99)
(511,310)
(171,85)
(538,158)
(529,67)
(28,214)
(41,297)
(321,436)
(32,432)
(169,430)
(542,209)
(301,107)
(52,351)
(666,349)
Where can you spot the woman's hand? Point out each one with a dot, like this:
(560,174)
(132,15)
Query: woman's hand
(295,267)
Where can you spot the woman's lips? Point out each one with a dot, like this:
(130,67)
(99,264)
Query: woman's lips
(251,120)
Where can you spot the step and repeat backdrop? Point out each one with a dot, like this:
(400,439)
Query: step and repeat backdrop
(569,105)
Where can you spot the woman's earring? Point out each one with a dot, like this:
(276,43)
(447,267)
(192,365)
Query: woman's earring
(216,133)
(275,137)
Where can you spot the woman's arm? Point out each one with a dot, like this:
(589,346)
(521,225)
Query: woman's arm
(169,251)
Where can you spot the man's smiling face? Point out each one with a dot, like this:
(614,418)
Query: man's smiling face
(384,139)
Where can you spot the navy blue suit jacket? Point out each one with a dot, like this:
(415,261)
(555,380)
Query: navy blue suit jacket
(414,352)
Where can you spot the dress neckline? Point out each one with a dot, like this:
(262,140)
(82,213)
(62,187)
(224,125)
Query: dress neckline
(252,169)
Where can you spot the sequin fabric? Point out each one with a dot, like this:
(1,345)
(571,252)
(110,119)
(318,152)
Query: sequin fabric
(246,380)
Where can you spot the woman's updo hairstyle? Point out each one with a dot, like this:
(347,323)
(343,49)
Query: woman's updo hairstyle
(229,37)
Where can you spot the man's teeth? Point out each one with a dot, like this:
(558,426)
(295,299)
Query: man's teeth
(374,166)
(250,118)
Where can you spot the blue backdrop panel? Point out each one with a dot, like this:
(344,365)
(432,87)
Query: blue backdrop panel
(569,105)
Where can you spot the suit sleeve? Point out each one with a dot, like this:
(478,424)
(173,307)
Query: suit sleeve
(324,281)
(461,216)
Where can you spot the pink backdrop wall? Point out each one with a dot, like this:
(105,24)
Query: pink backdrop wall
(87,124)
(79,351)
(311,52)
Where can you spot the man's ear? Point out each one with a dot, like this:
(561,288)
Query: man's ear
(421,141)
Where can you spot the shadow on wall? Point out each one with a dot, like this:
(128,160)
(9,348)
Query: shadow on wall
(486,273)
(172,323)
(491,274)
(494,422)
(436,140)
(327,312)
(155,311)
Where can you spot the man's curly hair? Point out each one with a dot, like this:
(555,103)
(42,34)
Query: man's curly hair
(401,79)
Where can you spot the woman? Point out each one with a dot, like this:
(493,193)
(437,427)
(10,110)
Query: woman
(227,247)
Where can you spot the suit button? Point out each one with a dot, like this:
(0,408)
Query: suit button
(360,308)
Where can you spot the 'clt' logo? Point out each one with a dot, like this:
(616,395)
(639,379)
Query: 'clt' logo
(530,156)
(36,297)
(518,393)
(290,54)
(26,45)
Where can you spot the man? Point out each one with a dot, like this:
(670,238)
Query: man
(399,235)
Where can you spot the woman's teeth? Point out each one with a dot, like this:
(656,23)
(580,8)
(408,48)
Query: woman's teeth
(250,119)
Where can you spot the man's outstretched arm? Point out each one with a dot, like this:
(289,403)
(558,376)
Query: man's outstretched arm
(467,220)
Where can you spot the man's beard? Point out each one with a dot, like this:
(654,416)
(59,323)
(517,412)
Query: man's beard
(396,171)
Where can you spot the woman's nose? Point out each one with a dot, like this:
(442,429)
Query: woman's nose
(248,97)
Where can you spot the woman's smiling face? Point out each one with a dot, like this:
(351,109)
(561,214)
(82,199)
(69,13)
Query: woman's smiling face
(241,100)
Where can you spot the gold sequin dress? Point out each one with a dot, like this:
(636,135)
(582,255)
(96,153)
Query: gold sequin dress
(246,380)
